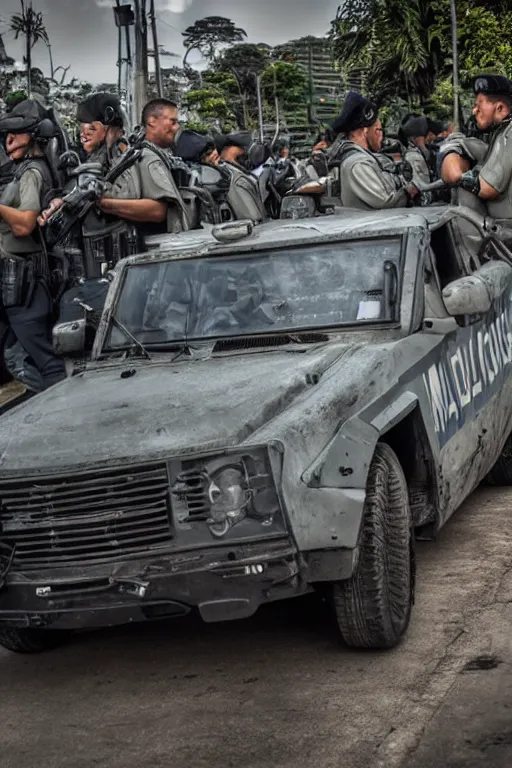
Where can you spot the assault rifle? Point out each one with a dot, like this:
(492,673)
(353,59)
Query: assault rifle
(90,186)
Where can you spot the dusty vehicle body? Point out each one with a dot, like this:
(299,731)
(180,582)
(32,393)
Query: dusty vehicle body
(219,450)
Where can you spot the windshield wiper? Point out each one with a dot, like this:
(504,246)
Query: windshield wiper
(130,336)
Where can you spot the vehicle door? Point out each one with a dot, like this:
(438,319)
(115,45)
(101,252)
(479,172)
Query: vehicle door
(468,378)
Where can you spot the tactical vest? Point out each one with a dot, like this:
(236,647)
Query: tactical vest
(343,148)
(19,276)
(100,241)
(244,197)
(40,164)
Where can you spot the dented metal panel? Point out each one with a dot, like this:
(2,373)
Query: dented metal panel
(145,477)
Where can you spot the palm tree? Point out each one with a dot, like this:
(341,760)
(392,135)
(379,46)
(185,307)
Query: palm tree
(388,40)
(30,24)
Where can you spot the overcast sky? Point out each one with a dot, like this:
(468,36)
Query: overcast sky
(83,33)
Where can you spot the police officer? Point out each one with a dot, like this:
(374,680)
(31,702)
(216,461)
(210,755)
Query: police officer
(485,170)
(413,132)
(25,299)
(102,124)
(146,193)
(367,181)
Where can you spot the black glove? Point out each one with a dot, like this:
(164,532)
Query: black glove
(470,181)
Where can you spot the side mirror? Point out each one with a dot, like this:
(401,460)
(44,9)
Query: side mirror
(475,294)
(69,338)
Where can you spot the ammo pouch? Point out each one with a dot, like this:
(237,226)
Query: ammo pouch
(107,245)
(13,281)
(19,277)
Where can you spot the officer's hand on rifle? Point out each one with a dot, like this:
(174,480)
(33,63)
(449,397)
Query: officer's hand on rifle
(470,181)
(48,212)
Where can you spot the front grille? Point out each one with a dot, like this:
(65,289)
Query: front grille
(86,518)
(191,487)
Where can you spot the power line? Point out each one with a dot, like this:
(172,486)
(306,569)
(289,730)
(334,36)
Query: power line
(168,25)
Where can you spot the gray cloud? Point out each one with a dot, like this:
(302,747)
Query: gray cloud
(84,35)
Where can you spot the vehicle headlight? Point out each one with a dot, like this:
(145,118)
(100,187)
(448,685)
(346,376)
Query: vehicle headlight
(229,495)
(223,491)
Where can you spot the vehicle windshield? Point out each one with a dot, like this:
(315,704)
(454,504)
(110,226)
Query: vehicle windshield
(267,292)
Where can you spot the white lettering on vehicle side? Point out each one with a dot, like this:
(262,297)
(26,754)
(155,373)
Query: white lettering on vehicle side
(470,371)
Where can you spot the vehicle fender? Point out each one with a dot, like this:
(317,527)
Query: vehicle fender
(345,461)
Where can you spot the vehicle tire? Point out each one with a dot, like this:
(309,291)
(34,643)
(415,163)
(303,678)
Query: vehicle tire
(31,640)
(373,607)
(501,473)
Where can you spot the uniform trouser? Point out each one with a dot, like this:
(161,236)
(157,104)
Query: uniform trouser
(32,327)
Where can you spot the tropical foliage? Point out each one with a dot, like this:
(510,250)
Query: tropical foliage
(30,25)
(404,47)
(209,34)
(398,51)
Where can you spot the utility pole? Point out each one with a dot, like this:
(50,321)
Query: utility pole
(140,75)
(260,108)
(119,50)
(311,115)
(455,58)
(124,18)
(158,70)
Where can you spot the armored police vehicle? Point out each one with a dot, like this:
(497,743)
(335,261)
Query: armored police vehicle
(266,413)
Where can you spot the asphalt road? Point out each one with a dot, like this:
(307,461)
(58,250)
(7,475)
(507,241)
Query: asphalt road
(278,691)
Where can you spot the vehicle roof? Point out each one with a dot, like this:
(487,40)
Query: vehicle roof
(345,224)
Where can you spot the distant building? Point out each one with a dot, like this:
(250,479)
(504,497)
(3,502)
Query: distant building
(326,87)
(313,55)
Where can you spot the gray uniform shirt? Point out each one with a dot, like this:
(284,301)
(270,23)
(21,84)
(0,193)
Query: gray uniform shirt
(365,185)
(24,194)
(149,179)
(471,148)
(419,164)
(497,171)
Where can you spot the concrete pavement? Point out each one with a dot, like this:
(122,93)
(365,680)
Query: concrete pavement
(277,690)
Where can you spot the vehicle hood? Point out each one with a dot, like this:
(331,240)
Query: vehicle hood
(106,415)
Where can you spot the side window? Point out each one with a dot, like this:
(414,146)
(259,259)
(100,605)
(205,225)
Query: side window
(434,305)
(457,250)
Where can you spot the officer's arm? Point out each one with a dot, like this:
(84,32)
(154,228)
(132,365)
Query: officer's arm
(458,154)
(487,192)
(367,183)
(135,210)
(21,223)
(496,172)
(452,168)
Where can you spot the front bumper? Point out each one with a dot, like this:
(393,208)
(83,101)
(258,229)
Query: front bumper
(223,583)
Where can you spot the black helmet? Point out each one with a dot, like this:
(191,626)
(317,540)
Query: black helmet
(28,117)
(414,126)
(357,112)
(493,85)
(102,108)
(192,146)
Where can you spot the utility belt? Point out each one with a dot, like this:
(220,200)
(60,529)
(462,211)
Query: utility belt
(19,276)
